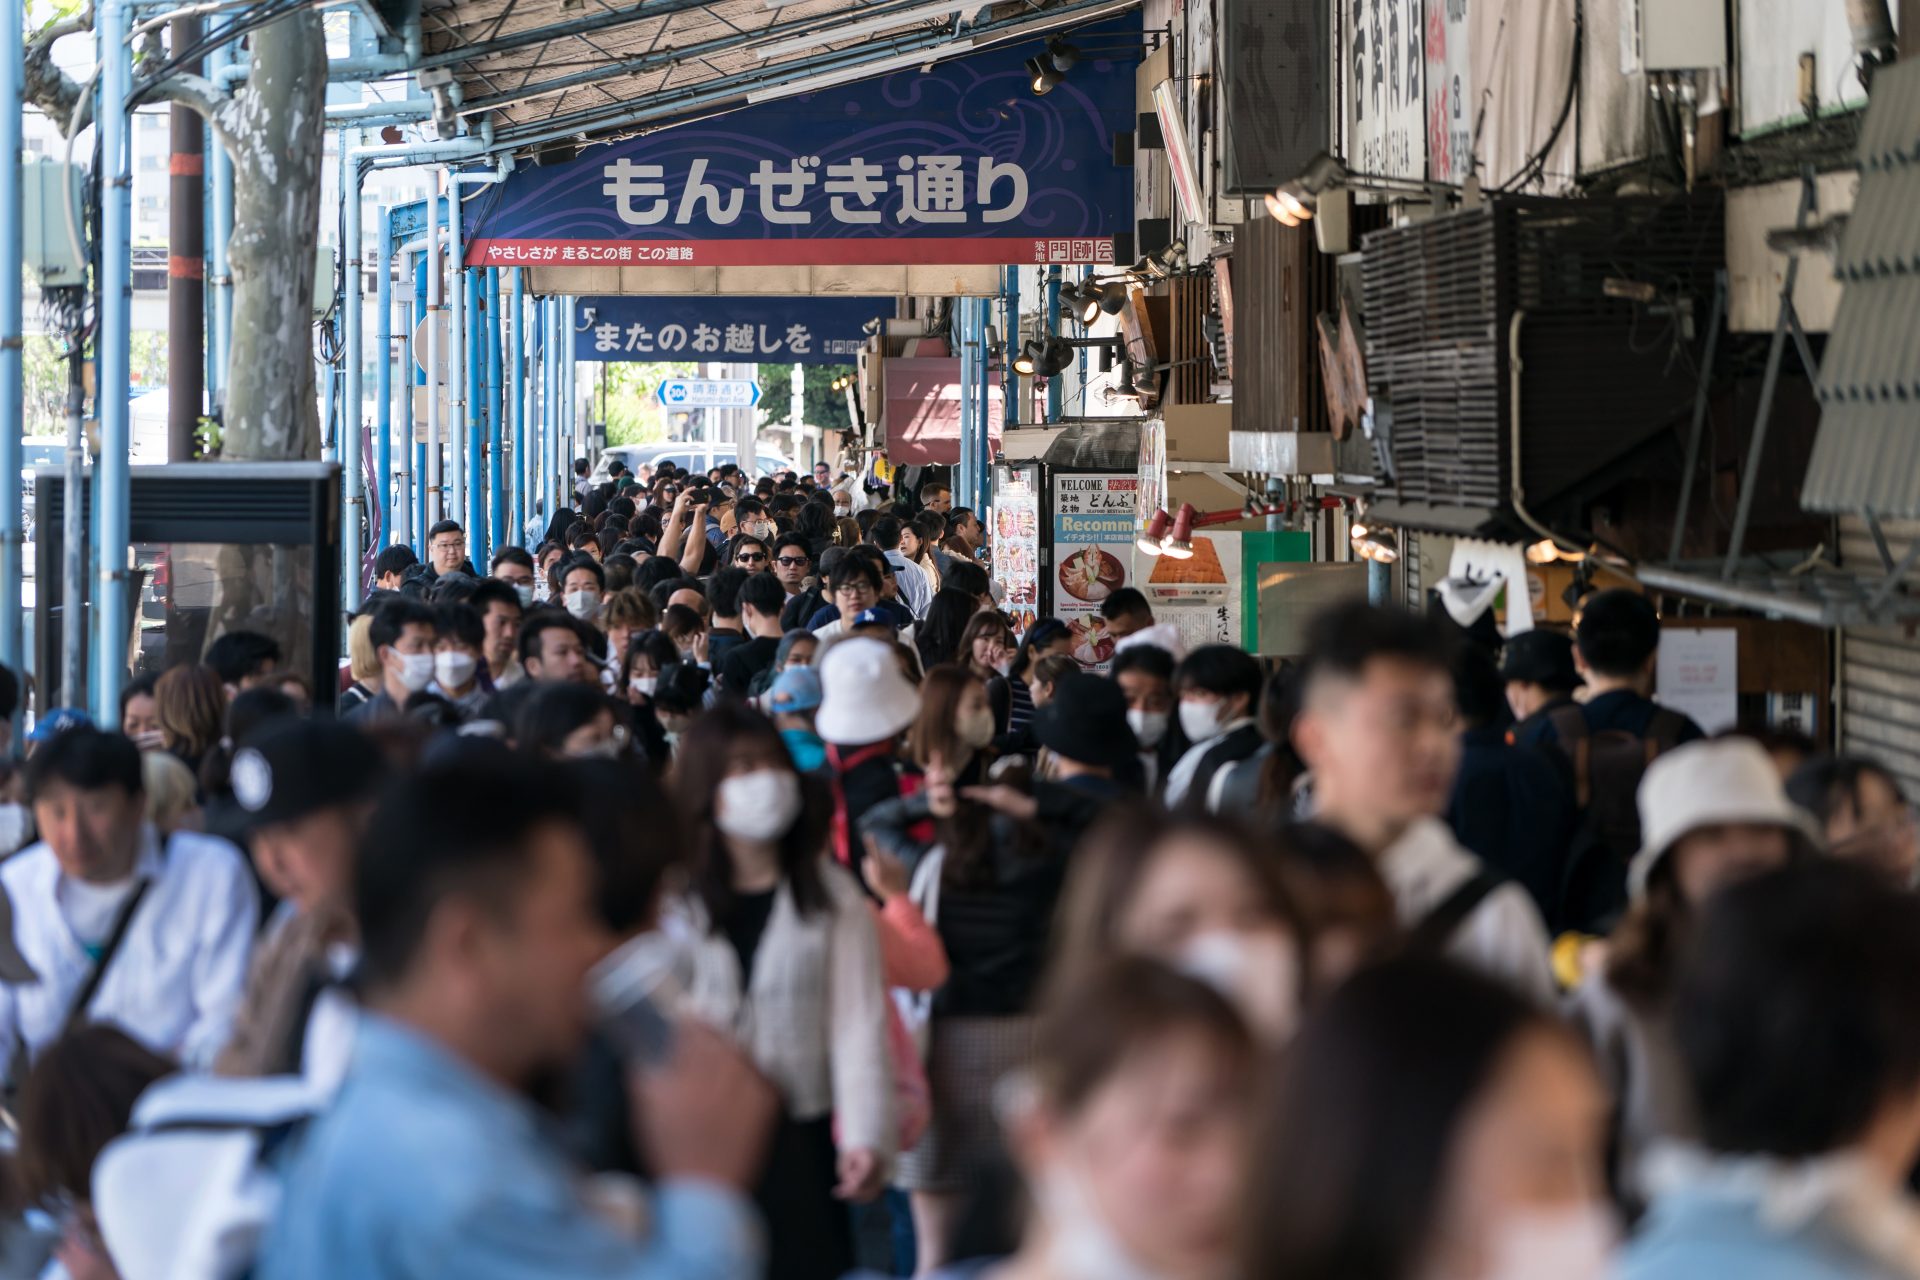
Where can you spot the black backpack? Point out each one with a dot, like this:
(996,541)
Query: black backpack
(1607,768)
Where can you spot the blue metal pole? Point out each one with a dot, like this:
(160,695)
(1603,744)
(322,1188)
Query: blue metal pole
(352,322)
(419,378)
(219,273)
(1009,380)
(496,434)
(1053,326)
(476,364)
(111,478)
(454,501)
(970,424)
(520,396)
(383,382)
(12,322)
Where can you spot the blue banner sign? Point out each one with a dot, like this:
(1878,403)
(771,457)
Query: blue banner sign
(709,393)
(960,164)
(785,330)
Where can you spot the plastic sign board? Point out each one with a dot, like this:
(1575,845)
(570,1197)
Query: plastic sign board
(709,393)
(960,164)
(796,330)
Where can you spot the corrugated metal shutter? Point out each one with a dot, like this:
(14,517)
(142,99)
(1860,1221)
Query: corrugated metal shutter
(1878,707)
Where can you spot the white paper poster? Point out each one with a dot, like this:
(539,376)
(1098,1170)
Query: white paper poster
(1385,76)
(1697,675)
(1449,92)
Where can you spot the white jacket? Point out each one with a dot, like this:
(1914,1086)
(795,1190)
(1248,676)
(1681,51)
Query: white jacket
(815,1017)
(1503,936)
(176,981)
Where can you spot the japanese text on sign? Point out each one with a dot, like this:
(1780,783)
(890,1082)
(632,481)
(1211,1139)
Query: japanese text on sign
(1386,103)
(735,340)
(1449,71)
(931,189)
(718,393)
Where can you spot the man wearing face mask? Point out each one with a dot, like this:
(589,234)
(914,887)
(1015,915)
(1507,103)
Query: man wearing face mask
(514,566)
(583,584)
(750,518)
(456,659)
(1145,676)
(1218,687)
(403,634)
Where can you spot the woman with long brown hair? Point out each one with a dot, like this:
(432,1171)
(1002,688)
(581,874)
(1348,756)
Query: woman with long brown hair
(986,648)
(787,960)
(192,706)
(955,724)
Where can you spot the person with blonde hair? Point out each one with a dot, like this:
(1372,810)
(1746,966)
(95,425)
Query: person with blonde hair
(173,800)
(363,664)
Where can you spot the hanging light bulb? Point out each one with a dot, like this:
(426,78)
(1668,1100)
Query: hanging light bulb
(1179,543)
(1154,536)
(1543,552)
(1027,363)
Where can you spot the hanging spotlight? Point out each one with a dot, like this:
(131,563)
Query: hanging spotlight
(1055,354)
(1543,552)
(1380,546)
(1294,202)
(1179,544)
(1113,297)
(1028,361)
(1154,535)
(1062,55)
(1162,263)
(1043,76)
(1290,205)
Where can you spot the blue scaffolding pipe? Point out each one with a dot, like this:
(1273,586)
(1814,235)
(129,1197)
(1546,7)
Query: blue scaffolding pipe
(426,301)
(519,396)
(576,438)
(973,338)
(111,478)
(1054,388)
(497,532)
(352,321)
(550,411)
(476,363)
(383,384)
(399,495)
(455,505)
(12,323)
(1009,380)
(220,231)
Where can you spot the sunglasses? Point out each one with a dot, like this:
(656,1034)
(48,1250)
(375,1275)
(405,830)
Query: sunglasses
(792,562)
(750,557)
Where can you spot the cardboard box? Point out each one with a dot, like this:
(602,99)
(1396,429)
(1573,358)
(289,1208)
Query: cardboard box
(1198,432)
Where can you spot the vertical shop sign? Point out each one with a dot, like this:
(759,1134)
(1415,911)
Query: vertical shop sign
(1384,70)
(1093,533)
(1449,92)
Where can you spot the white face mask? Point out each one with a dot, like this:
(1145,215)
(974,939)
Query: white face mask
(525,591)
(1258,971)
(1149,727)
(644,685)
(1573,1243)
(761,805)
(416,670)
(454,669)
(583,604)
(975,729)
(1202,720)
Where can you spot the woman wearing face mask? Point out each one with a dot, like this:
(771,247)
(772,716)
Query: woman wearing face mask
(787,959)
(1129,1128)
(1430,1124)
(546,585)
(955,724)
(571,721)
(999,880)
(1218,687)
(1198,894)
(140,715)
(987,649)
(647,654)
(582,586)
(1711,814)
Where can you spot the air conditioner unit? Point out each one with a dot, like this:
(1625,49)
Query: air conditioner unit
(1672,35)
(1606,302)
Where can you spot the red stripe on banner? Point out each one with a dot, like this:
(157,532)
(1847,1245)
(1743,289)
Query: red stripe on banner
(1020,251)
(186,268)
(188,164)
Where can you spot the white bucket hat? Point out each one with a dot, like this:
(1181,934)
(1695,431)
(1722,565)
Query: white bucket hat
(864,698)
(1705,784)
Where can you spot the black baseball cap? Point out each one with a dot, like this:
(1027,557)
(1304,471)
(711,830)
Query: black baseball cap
(1544,658)
(290,768)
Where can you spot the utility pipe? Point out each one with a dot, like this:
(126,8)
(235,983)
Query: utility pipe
(1054,387)
(476,402)
(353,481)
(112,480)
(12,327)
(383,381)
(497,533)
(455,505)
(436,376)
(219,274)
(417,378)
(520,397)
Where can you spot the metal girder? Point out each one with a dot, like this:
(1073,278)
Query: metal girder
(596,22)
(653,61)
(661,107)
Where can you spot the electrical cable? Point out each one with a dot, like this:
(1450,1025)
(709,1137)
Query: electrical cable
(1536,165)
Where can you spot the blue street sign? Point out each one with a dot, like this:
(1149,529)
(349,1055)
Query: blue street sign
(709,393)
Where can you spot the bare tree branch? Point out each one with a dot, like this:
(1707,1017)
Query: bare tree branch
(47,86)
(201,95)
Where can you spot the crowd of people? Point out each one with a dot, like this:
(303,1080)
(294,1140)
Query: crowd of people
(723,887)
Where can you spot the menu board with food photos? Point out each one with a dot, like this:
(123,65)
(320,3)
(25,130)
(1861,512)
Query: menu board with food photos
(1093,532)
(1016,544)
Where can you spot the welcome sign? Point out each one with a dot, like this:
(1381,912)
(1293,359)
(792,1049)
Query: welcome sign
(960,164)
